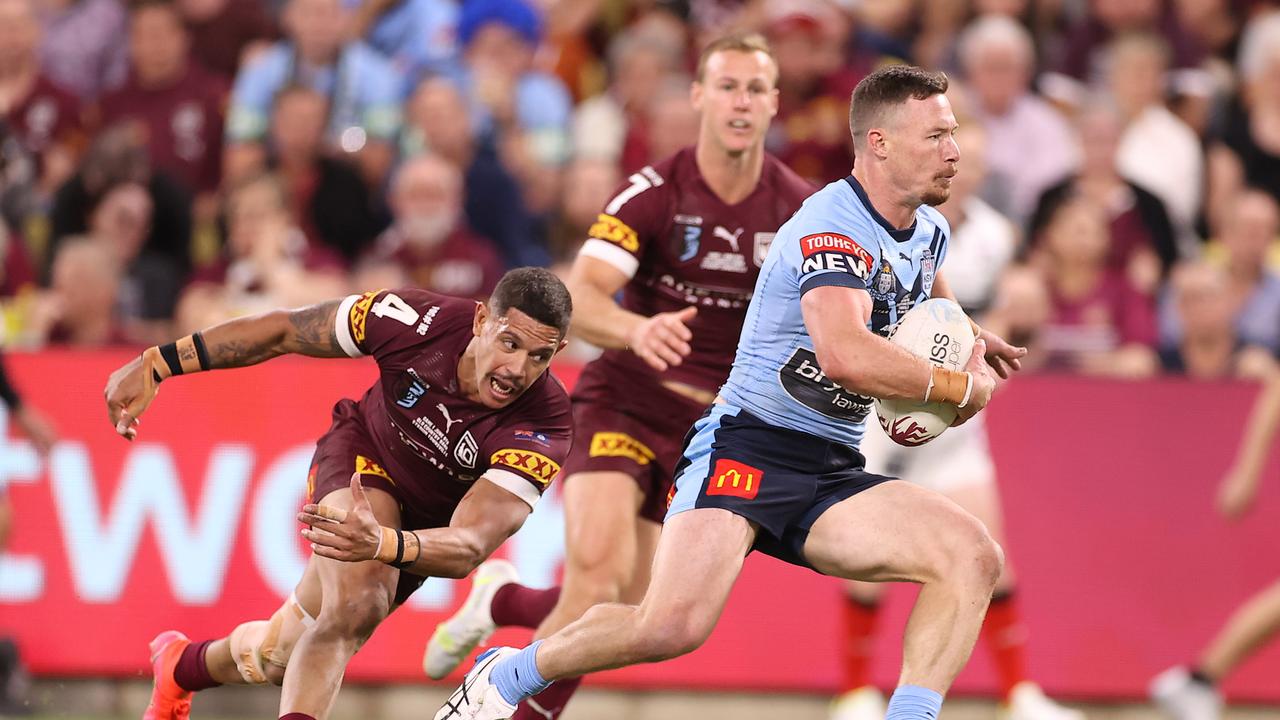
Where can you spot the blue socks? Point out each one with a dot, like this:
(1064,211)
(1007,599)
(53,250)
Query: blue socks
(517,677)
(912,702)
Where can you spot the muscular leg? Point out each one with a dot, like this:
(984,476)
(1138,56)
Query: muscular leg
(1252,625)
(686,596)
(600,544)
(648,533)
(355,598)
(897,531)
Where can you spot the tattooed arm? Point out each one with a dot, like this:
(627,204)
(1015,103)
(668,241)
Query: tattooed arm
(236,343)
(251,340)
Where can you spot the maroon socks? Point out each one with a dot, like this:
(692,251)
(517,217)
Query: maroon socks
(191,673)
(515,605)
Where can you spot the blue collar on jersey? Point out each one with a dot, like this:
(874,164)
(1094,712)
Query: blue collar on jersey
(898,235)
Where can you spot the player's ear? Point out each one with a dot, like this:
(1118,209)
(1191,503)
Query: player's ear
(482,314)
(695,95)
(877,141)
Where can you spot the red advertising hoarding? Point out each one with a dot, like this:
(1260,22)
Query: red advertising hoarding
(1124,566)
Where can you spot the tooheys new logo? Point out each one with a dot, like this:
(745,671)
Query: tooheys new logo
(805,382)
(833,251)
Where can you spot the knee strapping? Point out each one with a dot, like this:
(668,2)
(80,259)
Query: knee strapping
(260,642)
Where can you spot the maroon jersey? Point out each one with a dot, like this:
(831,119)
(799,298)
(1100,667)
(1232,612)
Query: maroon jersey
(47,116)
(682,245)
(432,442)
(183,123)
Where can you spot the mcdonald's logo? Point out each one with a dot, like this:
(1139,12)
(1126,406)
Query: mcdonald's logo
(734,478)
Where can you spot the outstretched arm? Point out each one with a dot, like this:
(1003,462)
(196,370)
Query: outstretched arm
(235,343)
(485,518)
(1239,488)
(661,341)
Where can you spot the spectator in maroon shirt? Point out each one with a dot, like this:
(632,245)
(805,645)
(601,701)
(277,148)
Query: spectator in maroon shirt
(429,241)
(225,32)
(1099,323)
(328,197)
(42,118)
(268,262)
(80,307)
(179,103)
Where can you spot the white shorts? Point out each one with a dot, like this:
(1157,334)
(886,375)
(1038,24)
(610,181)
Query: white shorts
(957,458)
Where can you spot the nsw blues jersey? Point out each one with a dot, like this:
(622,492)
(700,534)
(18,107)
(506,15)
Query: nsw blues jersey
(836,238)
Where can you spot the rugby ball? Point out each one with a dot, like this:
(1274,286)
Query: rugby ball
(938,331)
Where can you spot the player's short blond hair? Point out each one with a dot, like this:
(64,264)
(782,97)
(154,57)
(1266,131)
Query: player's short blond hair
(736,42)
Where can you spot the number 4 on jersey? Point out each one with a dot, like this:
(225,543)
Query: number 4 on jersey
(391,306)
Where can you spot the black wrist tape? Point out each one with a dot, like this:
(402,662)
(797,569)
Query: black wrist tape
(169,352)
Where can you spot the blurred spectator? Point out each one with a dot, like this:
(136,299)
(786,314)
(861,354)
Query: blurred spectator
(329,200)
(1244,149)
(1157,150)
(525,111)
(363,89)
(223,32)
(429,241)
(80,308)
(1141,244)
(178,102)
(1020,311)
(1098,324)
(41,131)
(418,36)
(672,121)
(811,133)
(1081,61)
(1207,346)
(983,241)
(16,271)
(117,157)
(588,185)
(1215,24)
(438,121)
(268,262)
(613,125)
(1253,291)
(1036,146)
(83,47)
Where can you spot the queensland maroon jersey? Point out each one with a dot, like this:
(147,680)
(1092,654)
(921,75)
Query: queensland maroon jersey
(682,245)
(47,116)
(183,123)
(433,442)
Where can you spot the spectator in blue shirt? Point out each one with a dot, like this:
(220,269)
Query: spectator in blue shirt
(419,36)
(363,89)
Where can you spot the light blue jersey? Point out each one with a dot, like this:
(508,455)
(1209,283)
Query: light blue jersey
(836,238)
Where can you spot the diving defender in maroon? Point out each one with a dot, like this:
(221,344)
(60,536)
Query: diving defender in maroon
(682,242)
(455,442)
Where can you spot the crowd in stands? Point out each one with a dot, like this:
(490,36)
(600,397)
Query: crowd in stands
(167,164)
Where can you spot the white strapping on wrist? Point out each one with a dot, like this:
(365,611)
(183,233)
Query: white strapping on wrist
(968,389)
(929,390)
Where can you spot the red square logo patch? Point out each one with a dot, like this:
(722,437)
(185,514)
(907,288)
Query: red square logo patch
(734,478)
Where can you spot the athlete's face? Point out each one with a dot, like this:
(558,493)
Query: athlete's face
(511,352)
(921,149)
(737,98)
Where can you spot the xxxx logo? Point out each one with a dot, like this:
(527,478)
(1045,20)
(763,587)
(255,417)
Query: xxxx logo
(359,312)
(616,444)
(536,465)
(608,227)
(734,478)
(365,466)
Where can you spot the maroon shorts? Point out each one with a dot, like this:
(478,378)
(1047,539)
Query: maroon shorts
(343,450)
(630,426)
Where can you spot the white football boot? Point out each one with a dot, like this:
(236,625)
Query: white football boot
(865,703)
(472,624)
(1028,702)
(477,698)
(1182,698)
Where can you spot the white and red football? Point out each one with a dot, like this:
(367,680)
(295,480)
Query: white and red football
(938,331)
